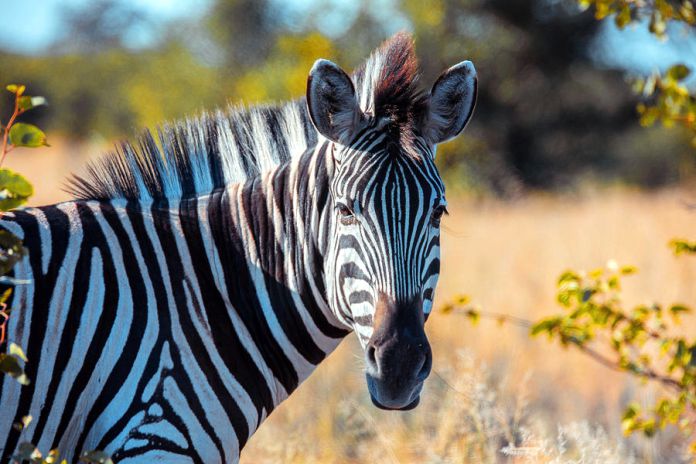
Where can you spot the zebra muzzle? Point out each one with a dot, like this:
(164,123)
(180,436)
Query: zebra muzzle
(398,357)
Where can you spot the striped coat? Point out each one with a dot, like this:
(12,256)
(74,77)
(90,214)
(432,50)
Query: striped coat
(199,278)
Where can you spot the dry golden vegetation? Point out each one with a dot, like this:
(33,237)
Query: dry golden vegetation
(492,385)
(495,395)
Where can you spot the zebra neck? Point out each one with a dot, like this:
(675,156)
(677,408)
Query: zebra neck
(274,224)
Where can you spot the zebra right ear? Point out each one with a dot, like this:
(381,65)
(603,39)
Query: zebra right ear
(331,101)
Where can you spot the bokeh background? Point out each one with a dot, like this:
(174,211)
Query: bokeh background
(553,172)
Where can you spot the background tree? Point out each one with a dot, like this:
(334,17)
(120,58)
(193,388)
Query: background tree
(549,114)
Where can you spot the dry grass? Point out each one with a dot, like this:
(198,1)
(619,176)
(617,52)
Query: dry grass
(507,256)
(495,395)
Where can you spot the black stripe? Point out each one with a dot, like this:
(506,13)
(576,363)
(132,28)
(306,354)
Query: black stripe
(215,311)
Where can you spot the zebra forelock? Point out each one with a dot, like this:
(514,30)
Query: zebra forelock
(387,83)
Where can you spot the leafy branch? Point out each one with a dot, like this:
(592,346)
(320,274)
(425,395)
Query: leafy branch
(658,12)
(668,99)
(15,190)
(638,341)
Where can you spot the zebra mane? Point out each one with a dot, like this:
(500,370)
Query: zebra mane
(197,155)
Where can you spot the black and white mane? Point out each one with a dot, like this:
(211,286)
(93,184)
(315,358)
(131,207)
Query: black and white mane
(198,155)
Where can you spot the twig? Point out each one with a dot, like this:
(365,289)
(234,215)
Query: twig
(594,354)
(17,111)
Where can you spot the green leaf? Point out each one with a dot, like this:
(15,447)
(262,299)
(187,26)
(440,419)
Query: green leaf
(15,189)
(15,183)
(26,102)
(19,426)
(17,351)
(27,135)
(678,72)
(623,17)
(11,251)
(628,270)
(10,365)
(473,315)
(546,325)
(657,24)
(17,89)
(679,308)
(683,246)
(6,294)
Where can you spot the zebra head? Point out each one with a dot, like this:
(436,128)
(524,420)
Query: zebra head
(383,257)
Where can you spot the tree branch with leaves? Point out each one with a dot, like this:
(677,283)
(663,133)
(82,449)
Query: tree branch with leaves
(640,341)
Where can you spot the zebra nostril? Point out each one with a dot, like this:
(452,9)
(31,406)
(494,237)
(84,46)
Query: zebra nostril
(371,359)
(424,369)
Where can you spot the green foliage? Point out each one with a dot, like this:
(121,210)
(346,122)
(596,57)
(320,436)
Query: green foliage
(639,341)
(27,135)
(10,364)
(669,101)
(253,51)
(11,251)
(681,247)
(15,190)
(660,12)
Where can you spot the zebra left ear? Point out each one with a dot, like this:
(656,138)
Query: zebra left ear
(452,102)
(331,101)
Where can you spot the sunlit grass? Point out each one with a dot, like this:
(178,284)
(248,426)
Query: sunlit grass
(495,395)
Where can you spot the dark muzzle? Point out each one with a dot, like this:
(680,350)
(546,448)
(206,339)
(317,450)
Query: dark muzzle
(398,355)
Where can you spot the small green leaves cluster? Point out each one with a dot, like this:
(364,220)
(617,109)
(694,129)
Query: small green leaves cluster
(23,134)
(683,247)
(660,12)
(11,364)
(638,341)
(668,100)
(15,190)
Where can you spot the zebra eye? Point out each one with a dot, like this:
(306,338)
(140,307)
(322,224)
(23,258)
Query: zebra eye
(347,216)
(436,215)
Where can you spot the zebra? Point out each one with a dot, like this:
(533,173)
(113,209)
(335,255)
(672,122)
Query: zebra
(204,271)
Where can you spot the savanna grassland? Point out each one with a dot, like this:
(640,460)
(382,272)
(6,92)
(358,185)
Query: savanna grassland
(495,395)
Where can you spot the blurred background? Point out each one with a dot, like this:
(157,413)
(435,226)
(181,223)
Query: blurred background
(553,172)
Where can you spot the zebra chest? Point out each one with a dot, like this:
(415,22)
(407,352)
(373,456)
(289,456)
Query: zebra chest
(170,420)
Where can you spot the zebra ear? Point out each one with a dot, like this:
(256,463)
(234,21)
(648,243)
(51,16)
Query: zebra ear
(331,101)
(452,101)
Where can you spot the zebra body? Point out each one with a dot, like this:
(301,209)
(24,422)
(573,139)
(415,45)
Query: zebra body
(202,278)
